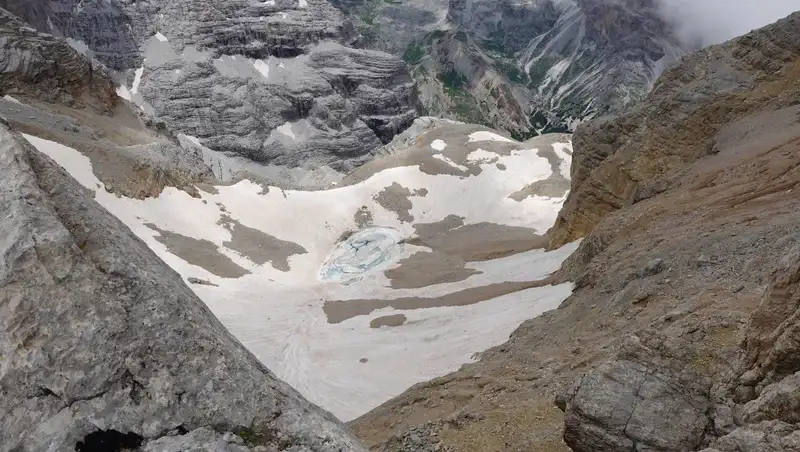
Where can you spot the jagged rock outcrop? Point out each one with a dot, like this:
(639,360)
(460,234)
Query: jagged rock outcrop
(624,160)
(36,13)
(738,99)
(41,66)
(52,90)
(105,348)
(688,210)
(330,107)
(762,437)
(773,350)
(614,408)
(407,139)
(266,80)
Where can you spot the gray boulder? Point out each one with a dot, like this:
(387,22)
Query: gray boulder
(644,401)
(105,348)
(779,401)
(769,436)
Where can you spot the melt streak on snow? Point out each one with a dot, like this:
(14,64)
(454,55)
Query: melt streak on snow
(349,367)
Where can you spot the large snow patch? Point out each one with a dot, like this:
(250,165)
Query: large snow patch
(306,254)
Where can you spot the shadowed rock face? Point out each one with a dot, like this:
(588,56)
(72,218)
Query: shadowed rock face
(46,68)
(34,12)
(142,362)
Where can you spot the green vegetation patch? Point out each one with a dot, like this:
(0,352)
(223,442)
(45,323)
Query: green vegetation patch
(452,79)
(413,53)
(465,108)
(433,36)
(497,43)
(538,70)
(511,71)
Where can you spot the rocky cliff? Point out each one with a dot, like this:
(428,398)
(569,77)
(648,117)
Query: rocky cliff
(51,90)
(628,159)
(682,331)
(270,81)
(43,67)
(103,346)
(524,67)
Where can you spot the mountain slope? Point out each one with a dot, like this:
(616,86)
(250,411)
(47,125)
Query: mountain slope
(103,346)
(525,67)
(269,81)
(392,276)
(681,332)
(85,296)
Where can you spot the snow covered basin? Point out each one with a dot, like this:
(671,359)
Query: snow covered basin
(417,262)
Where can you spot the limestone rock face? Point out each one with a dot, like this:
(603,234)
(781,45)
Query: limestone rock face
(771,421)
(104,346)
(762,437)
(41,66)
(775,328)
(270,81)
(333,106)
(34,12)
(642,401)
(624,160)
(738,100)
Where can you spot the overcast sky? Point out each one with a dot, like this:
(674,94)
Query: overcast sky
(715,21)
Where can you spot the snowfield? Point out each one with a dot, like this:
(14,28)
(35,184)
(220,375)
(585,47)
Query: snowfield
(354,293)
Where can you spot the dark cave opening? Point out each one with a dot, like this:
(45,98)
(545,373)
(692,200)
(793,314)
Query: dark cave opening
(109,441)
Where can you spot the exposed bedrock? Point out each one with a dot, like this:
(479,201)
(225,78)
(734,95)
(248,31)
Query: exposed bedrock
(102,343)
(624,160)
(271,81)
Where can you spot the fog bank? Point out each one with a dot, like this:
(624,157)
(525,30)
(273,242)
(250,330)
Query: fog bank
(706,22)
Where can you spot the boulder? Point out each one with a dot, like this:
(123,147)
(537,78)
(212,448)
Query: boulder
(644,401)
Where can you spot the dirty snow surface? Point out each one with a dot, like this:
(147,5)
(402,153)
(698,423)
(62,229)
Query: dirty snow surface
(408,269)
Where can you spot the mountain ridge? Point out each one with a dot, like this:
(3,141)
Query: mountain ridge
(526,67)
(270,82)
(687,211)
(671,326)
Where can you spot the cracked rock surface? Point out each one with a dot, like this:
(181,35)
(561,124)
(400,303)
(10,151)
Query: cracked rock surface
(641,401)
(104,345)
(42,66)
